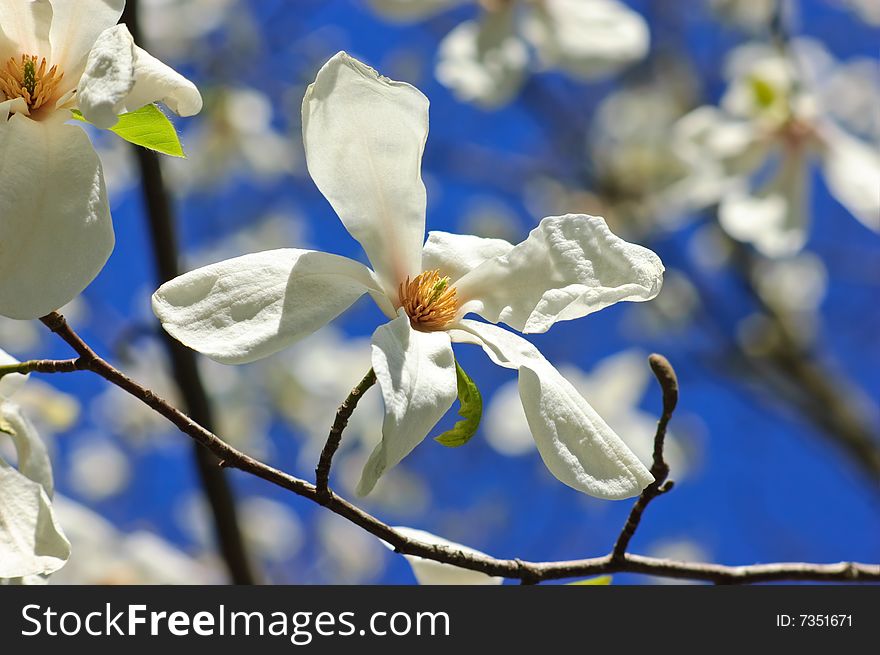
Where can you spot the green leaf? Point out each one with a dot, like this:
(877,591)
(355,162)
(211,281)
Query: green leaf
(470,409)
(592,582)
(147,127)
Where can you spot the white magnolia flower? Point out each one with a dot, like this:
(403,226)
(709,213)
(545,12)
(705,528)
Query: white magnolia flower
(364,136)
(429,572)
(486,60)
(31,540)
(55,56)
(753,154)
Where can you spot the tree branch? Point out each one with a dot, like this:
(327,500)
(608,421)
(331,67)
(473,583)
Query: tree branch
(509,568)
(343,414)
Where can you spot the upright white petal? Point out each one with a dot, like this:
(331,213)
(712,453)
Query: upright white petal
(775,218)
(55,228)
(587,37)
(121,77)
(852,172)
(76,25)
(250,307)
(364,136)
(575,443)
(484,61)
(429,572)
(416,373)
(31,541)
(454,255)
(24,28)
(406,10)
(568,267)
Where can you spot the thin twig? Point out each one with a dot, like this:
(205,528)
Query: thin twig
(509,568)
(665,375)
(41,366)
(343,414)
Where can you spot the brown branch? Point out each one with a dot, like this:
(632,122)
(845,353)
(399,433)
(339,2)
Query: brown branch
(665,375)
(509,568)
(343,414)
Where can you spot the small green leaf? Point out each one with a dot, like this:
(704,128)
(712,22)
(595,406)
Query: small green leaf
(147,127)
(592,582)
(470,409)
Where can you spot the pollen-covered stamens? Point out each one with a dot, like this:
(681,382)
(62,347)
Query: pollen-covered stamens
(429,301)
(29,78)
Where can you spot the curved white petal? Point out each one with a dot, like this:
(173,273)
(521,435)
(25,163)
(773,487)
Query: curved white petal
(24,28)
(55,228)
(121,77)
(406,10)
(249,307)
(483,61)
(33,459)
(416,373)
(575,443)
(364,136)
(454,255)
(429,572)
(775,218)
(568,267)
(76,25)
(587,37)
(852,172)
(31,541)
(11,383)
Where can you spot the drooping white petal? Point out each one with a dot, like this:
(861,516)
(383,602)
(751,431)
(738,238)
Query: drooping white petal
(574,441)
(774,219)
(121,77)
(364,136)
(24,28)
(75,28)
(852,172)
(587,37)
(31,541)
(33,459)
(454,255)
(416,373)
(55,228)
(250,307)
(484,61)
(568,267)
(429,572)
(406,10)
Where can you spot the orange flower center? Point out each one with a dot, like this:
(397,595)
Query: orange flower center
(429,301)
(28,78)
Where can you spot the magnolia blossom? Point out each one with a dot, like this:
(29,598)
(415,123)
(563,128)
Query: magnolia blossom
(429,572)
(57,56)
(753,154)
(31,540)
(486,60)
(364,136)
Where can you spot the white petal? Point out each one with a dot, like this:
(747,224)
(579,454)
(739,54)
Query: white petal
(121,77)
(249,307)
(852,172)
(773,219)
(456,254)
(483,61)
(364,136)
(55,228)
(24,28)
(75,28)
(405,10)
(575,443)
(587,37)
(416,373)
(568,267)
(429,572)
(33,459)
(31,541)
(11,383)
